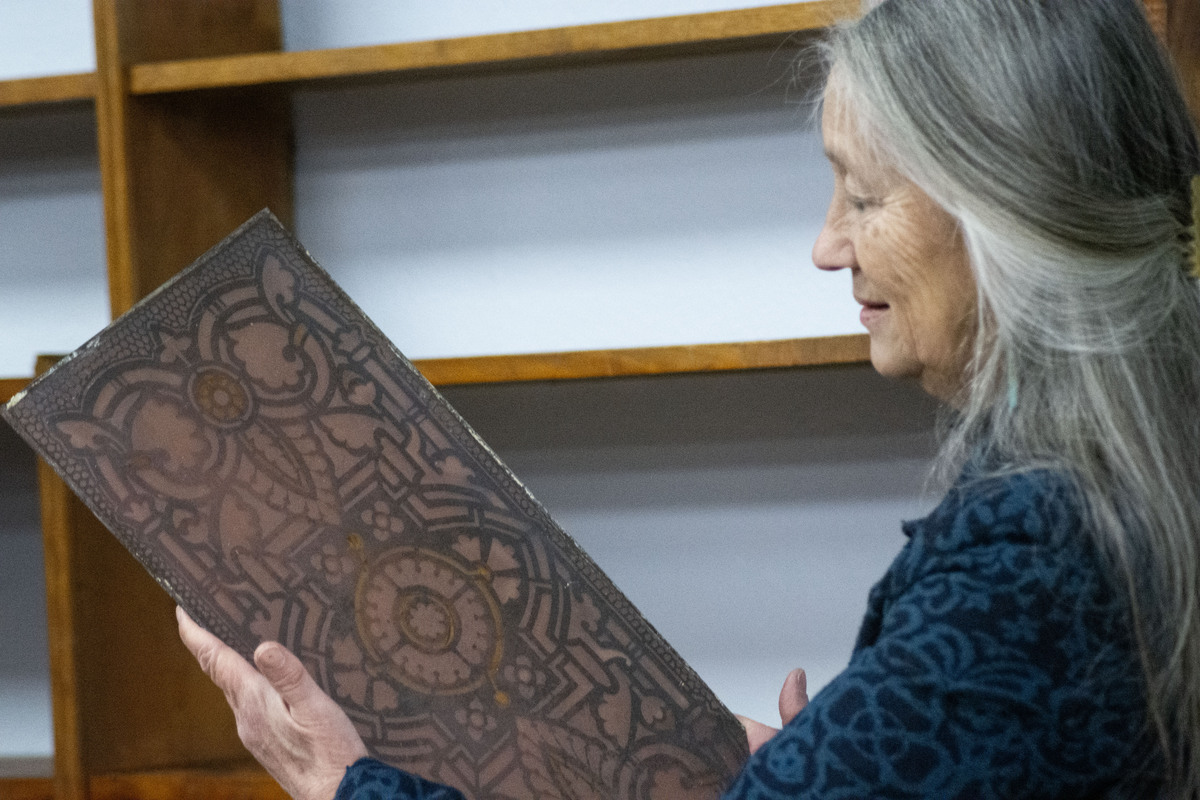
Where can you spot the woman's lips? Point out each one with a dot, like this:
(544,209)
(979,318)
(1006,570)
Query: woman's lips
(871,312)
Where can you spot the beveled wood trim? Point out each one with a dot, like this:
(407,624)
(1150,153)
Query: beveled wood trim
(813,351)
(112,112)
(51,89)
(10,386)
(690,30)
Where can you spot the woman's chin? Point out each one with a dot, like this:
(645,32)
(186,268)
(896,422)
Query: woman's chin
(890,364)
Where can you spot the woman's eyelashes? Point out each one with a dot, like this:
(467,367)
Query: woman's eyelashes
(857,202)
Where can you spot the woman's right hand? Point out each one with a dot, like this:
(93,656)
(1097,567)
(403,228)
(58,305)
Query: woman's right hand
(295,730)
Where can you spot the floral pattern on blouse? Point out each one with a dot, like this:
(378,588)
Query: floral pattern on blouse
(995,661)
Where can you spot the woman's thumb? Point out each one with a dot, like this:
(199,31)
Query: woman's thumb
(794,695)
(284,672)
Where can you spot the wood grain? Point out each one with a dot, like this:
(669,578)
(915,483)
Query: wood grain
(814,351)
(52,89)
(584,41)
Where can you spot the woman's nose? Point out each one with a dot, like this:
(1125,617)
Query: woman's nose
(833,249)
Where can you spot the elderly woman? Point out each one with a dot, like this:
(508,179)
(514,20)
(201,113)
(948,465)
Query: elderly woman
(1012,201)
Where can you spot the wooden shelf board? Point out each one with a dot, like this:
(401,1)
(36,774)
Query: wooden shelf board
(576,42)
(809,352)
(814,351)
(52,89)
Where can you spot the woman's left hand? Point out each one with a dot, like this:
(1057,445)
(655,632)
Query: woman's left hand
(295,730)
(793,697)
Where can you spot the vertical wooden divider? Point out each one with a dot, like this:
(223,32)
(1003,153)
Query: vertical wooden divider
(178,172)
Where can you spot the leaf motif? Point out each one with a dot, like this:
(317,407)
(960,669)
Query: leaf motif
(86,435)
(351,430)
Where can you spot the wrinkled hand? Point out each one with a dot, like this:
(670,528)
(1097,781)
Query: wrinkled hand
(793,697)
(300,735)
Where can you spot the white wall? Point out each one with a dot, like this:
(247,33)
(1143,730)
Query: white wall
(45,37)
(25,729)
(658,202)
(52,273)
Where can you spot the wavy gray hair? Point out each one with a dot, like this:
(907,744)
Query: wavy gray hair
(1056,134)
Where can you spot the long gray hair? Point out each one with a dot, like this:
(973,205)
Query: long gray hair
(1056,134)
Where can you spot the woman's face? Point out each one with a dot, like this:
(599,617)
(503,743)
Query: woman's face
(906,257)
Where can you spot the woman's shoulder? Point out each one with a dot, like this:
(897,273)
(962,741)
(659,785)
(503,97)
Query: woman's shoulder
(1034,507)
(1020,535)
(997,628)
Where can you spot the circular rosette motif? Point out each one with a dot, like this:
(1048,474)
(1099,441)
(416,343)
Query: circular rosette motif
(220,396)
(433,622)
(564,764)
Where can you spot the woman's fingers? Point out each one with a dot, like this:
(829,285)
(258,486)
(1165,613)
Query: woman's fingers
(296,731)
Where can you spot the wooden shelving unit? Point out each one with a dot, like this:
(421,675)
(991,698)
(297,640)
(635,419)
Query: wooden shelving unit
(194,132)
(183,186)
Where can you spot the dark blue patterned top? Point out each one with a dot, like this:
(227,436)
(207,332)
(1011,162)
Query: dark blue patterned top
(368,779)
(994,662)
